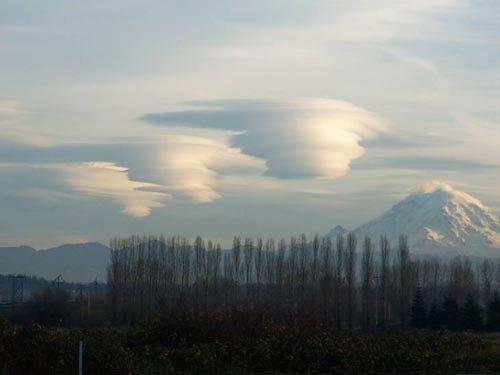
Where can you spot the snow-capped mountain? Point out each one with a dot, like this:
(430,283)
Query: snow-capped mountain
(439,220)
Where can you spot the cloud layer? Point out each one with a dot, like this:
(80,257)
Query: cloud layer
(191,166)
(104,179)
(271,167)
(14,128)
(92,179)
(310,138)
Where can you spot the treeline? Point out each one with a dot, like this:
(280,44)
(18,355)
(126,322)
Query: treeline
(56,307)
(54,303)
(30,285)
(340,284)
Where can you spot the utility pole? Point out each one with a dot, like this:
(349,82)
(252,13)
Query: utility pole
(58,280)
(96,286)
(80,358)
(81,302)
(17,292)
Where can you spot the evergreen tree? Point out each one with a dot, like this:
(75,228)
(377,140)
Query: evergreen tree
(493,313)
(418,311)
(450,313)
(435,318)
(471,314)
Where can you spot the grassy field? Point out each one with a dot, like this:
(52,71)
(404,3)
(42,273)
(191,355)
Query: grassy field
(242,347)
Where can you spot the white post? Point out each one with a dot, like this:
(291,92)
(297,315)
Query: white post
(80,358)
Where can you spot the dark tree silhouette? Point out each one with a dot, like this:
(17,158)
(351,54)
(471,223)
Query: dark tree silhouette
(418,310)
(450,313)
(493,313)
(471,314)
(435,317)
(309,282)
(54,306)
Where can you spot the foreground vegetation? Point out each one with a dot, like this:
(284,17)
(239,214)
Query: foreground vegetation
(294,307)
(239,346)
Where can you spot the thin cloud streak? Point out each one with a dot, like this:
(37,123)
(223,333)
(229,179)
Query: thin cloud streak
(14,128)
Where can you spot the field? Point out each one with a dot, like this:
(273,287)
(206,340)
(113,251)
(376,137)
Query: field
(239,346)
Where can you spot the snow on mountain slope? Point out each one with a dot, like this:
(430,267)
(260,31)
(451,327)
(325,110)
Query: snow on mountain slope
(439,220)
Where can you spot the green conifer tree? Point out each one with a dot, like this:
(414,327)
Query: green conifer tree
(450,313)
(493,313)
(435,318)
(471,314)
(418,310)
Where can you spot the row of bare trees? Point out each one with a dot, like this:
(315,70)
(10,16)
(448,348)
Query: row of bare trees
(335,283)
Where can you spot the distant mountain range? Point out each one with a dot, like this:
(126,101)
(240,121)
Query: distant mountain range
(80,262)
(438,220)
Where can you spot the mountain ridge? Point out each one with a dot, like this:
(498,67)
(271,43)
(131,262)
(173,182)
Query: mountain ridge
(76,262)
(439,220)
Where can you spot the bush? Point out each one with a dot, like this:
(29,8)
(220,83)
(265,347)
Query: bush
(238,346)
(53,306)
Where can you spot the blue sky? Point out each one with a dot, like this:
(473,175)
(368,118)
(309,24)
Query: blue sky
(252,117)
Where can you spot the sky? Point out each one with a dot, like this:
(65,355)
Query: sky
(256,118)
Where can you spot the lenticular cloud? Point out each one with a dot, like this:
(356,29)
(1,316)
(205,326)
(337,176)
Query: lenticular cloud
(108,180)
(312,138)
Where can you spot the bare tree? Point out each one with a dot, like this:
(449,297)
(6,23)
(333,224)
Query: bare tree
(303,270)
(292,277)
(487,276)
(228,285)
(236,253)
(259,267)
(367,272)
(384,280)
(339,282)
(404,279)
(308,282)
(199,273)
(326,279)
(314,277)
(350,276)
(281,275)
(248,255)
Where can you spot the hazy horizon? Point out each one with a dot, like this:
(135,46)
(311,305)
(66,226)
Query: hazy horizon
(212,119)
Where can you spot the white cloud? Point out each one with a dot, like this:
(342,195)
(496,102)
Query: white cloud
(432,186)
(94,179)
(14,128)
(388,20)
(108,180)
(44,194)
(167,166)
(425,64)
(309,138)
(190,165)
(11,111)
